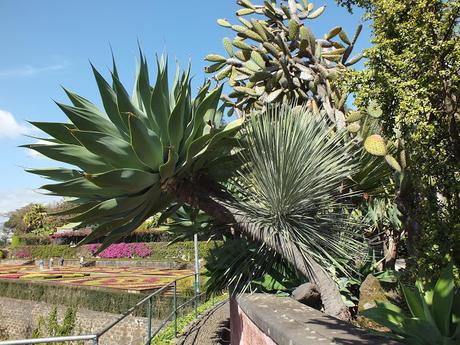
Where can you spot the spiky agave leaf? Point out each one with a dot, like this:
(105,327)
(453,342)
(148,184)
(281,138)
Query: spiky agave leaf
(124,153)
(290,187)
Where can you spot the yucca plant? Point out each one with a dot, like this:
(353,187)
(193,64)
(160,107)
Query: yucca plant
(434,317)
(129,154)
(291,194)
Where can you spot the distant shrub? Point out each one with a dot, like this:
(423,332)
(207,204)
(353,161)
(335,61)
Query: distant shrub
(121,250)
(67,237)
(22,253)
(15,242)
(3,254)
(31,239)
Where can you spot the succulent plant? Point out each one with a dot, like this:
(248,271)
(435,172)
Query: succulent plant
(432,315)
(277,58)
(375,145)
(127,153)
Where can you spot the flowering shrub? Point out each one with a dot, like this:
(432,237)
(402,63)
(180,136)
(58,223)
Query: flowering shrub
(73,233)
(121,250)
(22,253)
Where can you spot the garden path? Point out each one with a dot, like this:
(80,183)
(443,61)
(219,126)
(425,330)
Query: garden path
(213,328)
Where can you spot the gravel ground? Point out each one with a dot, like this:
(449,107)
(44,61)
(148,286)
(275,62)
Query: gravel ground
(212,328)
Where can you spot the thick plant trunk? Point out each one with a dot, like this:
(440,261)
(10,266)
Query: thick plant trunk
(205,196)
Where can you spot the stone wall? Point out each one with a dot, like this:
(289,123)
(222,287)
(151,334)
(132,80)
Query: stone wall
(19,318)
(261,319)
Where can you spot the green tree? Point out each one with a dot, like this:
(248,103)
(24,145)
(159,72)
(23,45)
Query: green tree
(34,218)
(413,74)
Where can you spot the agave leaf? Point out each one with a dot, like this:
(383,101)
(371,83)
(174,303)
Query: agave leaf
(443,296)
(227,131)
(224,22)
(109,100)
(160,103)
(87,121)
(414,302)
(157,203)
(81,102)
(422,332)
(113,208)
(195,147)
(169,212)
(176,121)
(167,169)
(146,144)
(387,315)
(124,102)
(143,89)
(59,131)
(71,154)
(128,181)
(116,152)
(205,112)
(102,230)
(57,174)
(77,209)
(81,187)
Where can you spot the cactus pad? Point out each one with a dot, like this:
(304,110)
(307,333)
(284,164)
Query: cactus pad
(375,145)
(393,163)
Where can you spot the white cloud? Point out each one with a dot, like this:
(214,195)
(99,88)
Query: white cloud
(9,127)
(28,70)
(12,200)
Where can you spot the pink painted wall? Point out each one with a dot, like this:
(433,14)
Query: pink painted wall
(243,330)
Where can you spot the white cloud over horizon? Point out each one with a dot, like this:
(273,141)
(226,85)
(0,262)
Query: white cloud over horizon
(12,200)
(10,127)
(28,70)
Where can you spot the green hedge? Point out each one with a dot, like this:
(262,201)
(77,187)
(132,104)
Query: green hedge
(31,239)
(98,300)
(160,250)
(181,250)
(116,302)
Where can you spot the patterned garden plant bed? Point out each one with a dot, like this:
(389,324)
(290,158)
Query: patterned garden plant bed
(122,278)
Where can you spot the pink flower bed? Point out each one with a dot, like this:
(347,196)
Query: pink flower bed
(121,250)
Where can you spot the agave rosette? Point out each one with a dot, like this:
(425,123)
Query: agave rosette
(124,153)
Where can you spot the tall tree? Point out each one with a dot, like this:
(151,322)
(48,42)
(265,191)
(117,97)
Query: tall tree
(413,73)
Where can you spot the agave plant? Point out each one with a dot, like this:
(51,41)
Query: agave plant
(126,154)
(434,313)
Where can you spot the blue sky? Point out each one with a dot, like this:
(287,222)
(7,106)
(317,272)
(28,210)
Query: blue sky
(48,43)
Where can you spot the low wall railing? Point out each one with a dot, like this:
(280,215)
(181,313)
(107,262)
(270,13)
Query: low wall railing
(148,302)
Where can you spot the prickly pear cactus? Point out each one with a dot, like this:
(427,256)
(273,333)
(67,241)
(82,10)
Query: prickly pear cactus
(275,57)
(375,145)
